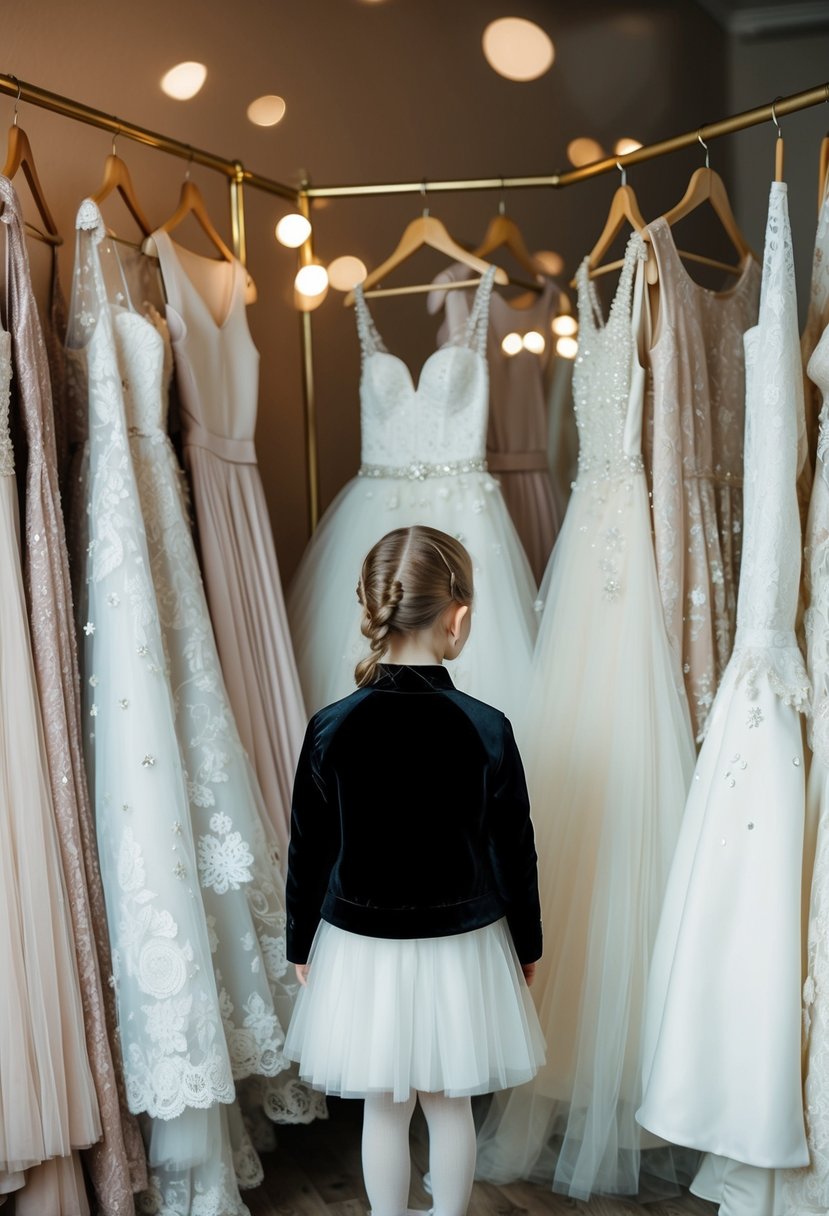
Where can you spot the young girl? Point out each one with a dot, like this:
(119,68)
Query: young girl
(412,893)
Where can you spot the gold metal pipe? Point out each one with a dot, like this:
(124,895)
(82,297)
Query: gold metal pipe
(432,187)
(309,404)
(237,213)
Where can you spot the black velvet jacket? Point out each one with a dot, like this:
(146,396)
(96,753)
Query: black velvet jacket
(410,817)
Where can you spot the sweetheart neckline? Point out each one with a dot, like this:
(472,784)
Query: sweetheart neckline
(415,385)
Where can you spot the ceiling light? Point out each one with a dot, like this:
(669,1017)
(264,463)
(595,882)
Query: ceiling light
(267,111)
(512,344)
(565,326)
(311,280)
(184,80)
(568,348)
(623,146)
(293,230)
(534,342)
(583,151)
(517,49)
(346,272)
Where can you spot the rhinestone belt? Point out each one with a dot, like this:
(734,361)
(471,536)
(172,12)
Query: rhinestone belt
(418,471)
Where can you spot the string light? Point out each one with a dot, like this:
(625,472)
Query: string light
(623,146)
(583,151)
(534,342)
(549,261)
(517,49)
(311,280)
(293,230)
(346,272)
(512,344)
(267,111)
(184,80)
(568,348)
(565,326)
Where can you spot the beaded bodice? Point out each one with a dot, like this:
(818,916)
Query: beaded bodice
(6,450)
(437,424)
(607,379)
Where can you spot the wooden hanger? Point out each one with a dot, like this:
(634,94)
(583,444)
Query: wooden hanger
(504,233)
(779,150)
(117,177)
(624,209)
(20,156)
(191,202)
(706,185)
(429,231)
(823,171)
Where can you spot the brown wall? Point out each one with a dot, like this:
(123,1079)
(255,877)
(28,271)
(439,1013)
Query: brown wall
(395,90)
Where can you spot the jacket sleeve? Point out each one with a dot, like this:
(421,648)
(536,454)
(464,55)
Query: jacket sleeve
(512,851)
(311,851)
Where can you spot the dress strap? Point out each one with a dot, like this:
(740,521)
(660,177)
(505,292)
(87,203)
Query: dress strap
(370,340)
(477,325)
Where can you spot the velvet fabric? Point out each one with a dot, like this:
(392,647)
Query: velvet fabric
(410,817)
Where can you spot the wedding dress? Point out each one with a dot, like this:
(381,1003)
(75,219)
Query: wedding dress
(193,888)
(722,1068)
(609,757)
(423,462)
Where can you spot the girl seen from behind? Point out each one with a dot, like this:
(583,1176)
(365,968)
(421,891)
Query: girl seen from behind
(412,894)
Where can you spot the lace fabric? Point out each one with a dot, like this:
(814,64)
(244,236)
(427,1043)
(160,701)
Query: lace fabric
(194,893)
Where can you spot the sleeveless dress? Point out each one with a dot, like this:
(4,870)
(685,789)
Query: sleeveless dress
(48,1107)
(722,1069)
(194,894)
(116,1164)
(609,757)
(217,371)
(694,452)
(516,445)
(423,462)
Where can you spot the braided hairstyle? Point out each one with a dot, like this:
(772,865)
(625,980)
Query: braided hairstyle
(409,578)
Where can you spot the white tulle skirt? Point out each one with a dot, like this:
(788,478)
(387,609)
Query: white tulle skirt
(440,1014)
(322,603)
(609,758)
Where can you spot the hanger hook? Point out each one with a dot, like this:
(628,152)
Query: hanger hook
(115,135)
(502,202)
(775,119)
(423,192)
(705,146)
(623,172)
(16,100)
(189,164)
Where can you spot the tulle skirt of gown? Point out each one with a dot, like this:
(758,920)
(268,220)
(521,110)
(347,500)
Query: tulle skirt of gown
(322,601)
(609,758)
(47,1097)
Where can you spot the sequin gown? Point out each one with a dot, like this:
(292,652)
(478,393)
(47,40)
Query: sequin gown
(609,757)
(194,894)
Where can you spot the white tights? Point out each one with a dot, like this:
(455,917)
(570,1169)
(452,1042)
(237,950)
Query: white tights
(387,1163)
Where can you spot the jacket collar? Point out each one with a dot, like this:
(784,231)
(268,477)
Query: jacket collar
(399,677)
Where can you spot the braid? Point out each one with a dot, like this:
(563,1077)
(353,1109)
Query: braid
(376,625)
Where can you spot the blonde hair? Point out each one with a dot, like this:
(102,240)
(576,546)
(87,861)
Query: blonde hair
(408,579)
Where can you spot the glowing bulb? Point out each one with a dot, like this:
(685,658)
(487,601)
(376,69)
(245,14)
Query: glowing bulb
(512,343)
(549,261)
(293,230)
(184,80)
(534,342)
(517,49)
(568,348)
(584,151)
(311,280)
(565,326)
(623,146)
(346,272)
(267,111)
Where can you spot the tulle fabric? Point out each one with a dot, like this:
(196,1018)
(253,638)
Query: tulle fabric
(607,769)
(322,602)
(47,1097)
(440,1014)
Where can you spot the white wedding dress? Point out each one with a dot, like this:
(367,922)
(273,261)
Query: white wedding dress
(423,462)
(609,757)
(192,883)
(722,1069)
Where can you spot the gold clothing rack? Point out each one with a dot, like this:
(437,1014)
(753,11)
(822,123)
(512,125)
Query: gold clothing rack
(238,177)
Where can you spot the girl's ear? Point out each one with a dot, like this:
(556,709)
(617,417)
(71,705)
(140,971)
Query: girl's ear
(455,620)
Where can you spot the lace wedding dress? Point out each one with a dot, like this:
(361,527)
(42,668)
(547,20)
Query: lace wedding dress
(423,462)
(193,888)
(609,757)
(722,1068)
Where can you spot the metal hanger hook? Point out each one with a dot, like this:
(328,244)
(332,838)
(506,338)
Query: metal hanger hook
(502,202)
(775,119)
(705,145)
(189,166)
(425,205)
(16,100)
(623,172)
(114,137)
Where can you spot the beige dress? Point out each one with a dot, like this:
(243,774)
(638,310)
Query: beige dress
(48,1106)
(695,412)
(116,1164)
(217,371)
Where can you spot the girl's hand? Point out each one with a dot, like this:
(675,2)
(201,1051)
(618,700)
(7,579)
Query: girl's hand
(529,972)
(302,973)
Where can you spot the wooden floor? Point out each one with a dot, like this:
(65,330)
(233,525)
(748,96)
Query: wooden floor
(315,1171)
